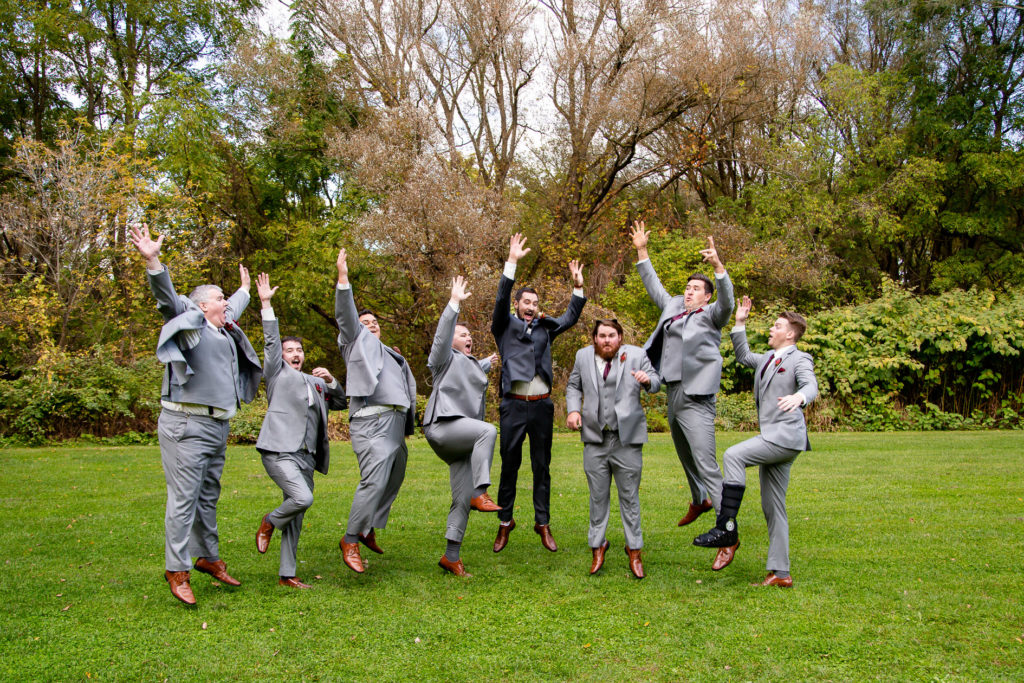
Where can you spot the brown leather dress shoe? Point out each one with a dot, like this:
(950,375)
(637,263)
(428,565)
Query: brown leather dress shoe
(217,570)
(180,587)
(635,565)
(772,580)
(598,556)
(695,511)
(453,567)
(370,541)
(484,503)
(546,539)
(501,540)
(263,534)
(724,557)
(292,582)
(350,556)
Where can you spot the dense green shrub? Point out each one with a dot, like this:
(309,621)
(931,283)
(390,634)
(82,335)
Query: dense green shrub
(65,395)
(951,361)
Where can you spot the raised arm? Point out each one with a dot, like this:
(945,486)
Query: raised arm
(273,361)
(238,301)
(441,349)
(499,320)
(726,301)
(576,303)
(345,311)
(739,336)
(652,284)
(167,300)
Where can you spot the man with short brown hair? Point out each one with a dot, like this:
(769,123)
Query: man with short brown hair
(783,382)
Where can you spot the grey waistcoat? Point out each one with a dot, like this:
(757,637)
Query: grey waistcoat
(608,417)
(390,390)
(215,382)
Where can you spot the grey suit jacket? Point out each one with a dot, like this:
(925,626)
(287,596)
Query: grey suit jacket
(582,395)
(181,314)
(793,373)
(364,355)
(460,381)
(284,425)
(526,350)
(702,336)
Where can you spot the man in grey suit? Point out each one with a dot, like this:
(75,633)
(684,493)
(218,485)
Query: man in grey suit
(453,423)
(684,349)
(293,439)
(783,382)
(524,343)
(210,368)
(382,398)
(603,400)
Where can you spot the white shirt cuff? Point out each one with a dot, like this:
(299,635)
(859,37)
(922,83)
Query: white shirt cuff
(510,270)
(154,272)
(578,291)
(803,399)
(268,313)
(719,276)
(739,327)
(343,287)
(453,306)
(333,384)
(643,260)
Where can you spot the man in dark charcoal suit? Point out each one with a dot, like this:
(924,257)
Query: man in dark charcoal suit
(524,343)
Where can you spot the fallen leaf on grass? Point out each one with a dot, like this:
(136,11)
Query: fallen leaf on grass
(586,645)
(272,629)
(416,640)
(66,608)
(204,625)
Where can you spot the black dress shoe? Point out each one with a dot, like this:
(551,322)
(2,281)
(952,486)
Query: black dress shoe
(718,538)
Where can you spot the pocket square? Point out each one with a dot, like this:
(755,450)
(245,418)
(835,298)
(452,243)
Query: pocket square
(781,370)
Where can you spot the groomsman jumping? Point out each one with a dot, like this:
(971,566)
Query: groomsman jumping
(603,401)
(524,343)
(293,439)
(784,383)
(382,398)
(454,425)
(210,369)
(684,349)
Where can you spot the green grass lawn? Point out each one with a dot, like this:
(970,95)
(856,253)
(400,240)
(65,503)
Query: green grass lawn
(907,554)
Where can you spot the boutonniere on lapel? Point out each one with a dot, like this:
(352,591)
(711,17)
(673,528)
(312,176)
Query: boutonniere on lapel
(228,325)
(777,361)
(541,316)
(622,358)
(780,371)
(319,389)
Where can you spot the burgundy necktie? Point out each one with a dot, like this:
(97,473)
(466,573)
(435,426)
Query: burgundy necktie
(607,367)
(766,364)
